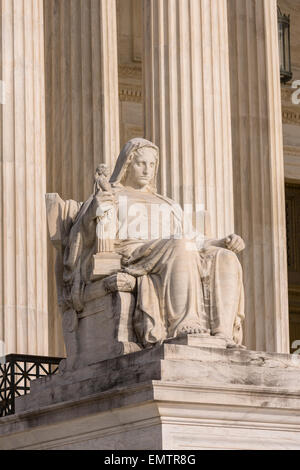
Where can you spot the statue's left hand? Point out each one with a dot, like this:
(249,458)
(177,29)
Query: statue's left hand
(234,243)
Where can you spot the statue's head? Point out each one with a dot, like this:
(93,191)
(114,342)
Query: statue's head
(137,165)
(102,169)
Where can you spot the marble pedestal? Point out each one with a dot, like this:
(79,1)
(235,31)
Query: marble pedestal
(174,396)
(103,329)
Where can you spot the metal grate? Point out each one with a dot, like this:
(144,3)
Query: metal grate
(16,372)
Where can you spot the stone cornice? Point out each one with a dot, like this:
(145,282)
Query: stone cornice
(130,71)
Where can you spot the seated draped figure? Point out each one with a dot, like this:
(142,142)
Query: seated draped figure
(128,239)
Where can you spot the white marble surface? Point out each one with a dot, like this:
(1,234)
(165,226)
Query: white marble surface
(187,103)
(183,282)
(23,237)
(173,397)
(258,170)
(82,103)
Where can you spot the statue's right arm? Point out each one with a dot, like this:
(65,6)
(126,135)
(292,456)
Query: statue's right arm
(60,215)
(55,210)
(91,213)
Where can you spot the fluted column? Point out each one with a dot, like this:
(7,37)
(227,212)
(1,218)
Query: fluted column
(258,169)
(187,103)
(23,252)
(81,92)
(82,105)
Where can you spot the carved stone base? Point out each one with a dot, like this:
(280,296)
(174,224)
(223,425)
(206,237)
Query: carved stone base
(105,264)
(170,397)
(200,340)
(103,330)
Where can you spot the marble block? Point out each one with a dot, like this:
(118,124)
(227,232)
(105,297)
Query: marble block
(103,330)
(105,264)
(173,396)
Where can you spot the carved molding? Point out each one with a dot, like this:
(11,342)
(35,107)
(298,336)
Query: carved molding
(130,71)
(291,150)
(291,115)
(130,93)
(130,83)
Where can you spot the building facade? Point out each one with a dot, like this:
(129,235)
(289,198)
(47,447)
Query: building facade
(201,79)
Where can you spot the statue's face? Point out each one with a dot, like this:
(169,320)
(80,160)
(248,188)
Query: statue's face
(142,168)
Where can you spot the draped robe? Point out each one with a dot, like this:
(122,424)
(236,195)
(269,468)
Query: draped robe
(181,287)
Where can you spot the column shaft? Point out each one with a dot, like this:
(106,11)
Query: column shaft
(258,170)
(23,263)
(187,103)
(82,105)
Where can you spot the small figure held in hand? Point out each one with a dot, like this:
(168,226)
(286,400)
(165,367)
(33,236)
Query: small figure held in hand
(101,182)
(105,225)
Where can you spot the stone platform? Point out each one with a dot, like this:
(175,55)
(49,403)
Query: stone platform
(174,396)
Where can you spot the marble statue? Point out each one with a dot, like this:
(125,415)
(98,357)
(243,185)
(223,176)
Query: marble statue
(105,212)
(179,287)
